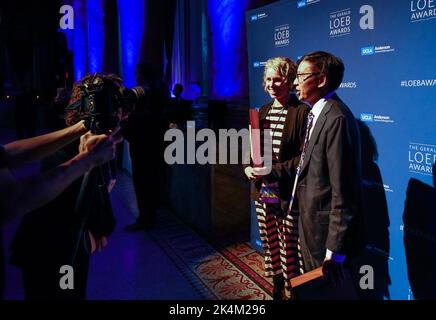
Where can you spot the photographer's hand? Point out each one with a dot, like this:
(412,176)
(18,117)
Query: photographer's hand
(111,185)
(100,148)
(96,244)
(32,149)
(29,193)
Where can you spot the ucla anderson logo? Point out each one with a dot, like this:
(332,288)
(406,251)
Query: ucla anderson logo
(367,117)
(370,117)
(303,3)
(367,51)
(370,50)
(258,16)
(259,64)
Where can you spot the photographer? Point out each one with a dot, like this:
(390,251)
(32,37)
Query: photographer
(58,234)
(19,196)
(145,131)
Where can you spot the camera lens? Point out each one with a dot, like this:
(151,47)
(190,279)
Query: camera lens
(139,92)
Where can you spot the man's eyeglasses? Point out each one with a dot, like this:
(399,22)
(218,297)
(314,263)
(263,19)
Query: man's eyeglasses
(307,75)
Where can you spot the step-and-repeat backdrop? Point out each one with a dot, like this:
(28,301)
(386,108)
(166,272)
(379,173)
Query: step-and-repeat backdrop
(389,51)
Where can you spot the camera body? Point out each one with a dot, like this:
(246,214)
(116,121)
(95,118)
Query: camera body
(103,99)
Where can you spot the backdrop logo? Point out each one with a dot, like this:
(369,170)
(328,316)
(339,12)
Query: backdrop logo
(388,188)
(366,51)
(422,158)
(303,3)
(371,184)
(370,50)
(348,85)
(340,23)
(282,36)
(258,16)
(370,117)
(381,118)
(367,117)
(367,20)
(418,83)
(422,10)
(259,64)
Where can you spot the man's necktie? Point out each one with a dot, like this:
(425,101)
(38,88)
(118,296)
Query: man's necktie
(310,117)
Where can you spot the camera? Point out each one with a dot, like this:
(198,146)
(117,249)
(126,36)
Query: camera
(102,98)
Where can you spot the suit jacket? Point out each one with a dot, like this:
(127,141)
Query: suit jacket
(329,187)
(292,141)
(179,111)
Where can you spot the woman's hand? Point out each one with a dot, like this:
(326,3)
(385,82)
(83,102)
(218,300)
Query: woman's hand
(254,174)
(261,172)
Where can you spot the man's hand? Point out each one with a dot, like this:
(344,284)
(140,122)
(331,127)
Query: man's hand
(333,271)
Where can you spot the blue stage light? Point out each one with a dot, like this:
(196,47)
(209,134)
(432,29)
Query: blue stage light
(226,23)
(131,24)
(95,35)
(79,40)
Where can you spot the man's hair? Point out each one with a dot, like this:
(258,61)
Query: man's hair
(285,66)
(330,65)
(72,116)
(178,86)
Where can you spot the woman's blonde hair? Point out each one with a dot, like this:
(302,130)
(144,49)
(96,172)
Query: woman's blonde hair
(285,66)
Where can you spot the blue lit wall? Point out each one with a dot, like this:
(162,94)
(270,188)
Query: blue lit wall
(226,19)
(80,43)
(95,26)
(86,40)
(131,19)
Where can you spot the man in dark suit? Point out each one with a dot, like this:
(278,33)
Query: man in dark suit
(179,109)
(329,185)
(144,131)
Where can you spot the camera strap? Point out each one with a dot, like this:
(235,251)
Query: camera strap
(74,105)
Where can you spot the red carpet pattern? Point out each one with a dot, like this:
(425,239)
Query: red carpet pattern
(232,273)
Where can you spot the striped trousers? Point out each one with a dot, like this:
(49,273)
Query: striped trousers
(279,236)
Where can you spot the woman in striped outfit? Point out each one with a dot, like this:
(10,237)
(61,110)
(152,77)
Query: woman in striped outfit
(286,117)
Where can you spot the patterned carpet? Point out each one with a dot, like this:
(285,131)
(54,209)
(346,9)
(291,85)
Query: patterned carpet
(231,273)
